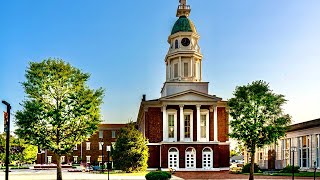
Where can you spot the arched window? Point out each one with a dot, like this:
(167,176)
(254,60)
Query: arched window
(173,157)
(190,158)
(176,44)
(207,158)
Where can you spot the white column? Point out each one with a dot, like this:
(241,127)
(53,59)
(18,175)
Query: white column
(164,123)
(181,123)
(215,123)
(198,122)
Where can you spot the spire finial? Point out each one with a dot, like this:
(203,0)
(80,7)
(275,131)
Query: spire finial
(183,9)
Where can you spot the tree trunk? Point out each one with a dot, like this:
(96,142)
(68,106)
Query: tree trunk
(252,166)
(59,174)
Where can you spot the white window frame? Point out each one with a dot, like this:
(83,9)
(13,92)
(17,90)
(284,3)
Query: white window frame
(88,159)
(307,148)
(75,147)
(194,154)
(173,153)
(88,146)
(174,113)
(286,154)
(100,134)
(49,159)
(100,146)
(318,149)
(75,159)
(113,134)
(206,113)
(63,159)
(211,158)
(188,112)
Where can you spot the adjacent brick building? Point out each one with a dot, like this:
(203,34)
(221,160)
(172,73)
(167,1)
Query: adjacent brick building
(89,151)
(186,127)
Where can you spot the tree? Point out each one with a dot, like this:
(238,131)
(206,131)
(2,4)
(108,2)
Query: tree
(130,152)
(60,110)
(257,117)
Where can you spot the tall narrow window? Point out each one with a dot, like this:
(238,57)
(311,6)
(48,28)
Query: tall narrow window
(176,44)
(49,159)
(175,70)
(198,70)
(304,150)
(186,126)
(113,134)
(88,159)
(100,134)
(190,158)
(100,145)
(171,125)
(185,69)
(173,158)
(63,159)
(203,126)
(88,146)
(75,159)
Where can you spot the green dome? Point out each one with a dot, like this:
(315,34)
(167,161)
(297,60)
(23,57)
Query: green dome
(183,24)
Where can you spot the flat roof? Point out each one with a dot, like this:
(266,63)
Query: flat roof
(304,125)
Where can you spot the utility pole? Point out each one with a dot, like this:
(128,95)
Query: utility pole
(7,130)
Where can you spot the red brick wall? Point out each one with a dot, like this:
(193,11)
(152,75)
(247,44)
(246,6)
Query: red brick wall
(220,154)
(222,124)
(154,157)
(154,124)
(224,155)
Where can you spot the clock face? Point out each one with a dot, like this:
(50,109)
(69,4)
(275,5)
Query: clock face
(185,42)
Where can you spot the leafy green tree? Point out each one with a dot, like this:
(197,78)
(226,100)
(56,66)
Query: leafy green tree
(257,117)
(60,110)
(130,152)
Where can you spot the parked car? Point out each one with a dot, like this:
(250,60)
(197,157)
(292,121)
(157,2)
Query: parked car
(236,168)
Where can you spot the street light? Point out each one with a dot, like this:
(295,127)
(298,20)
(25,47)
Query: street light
(315,169)
(108,164)
(7,130)
(101,142)
(293,150)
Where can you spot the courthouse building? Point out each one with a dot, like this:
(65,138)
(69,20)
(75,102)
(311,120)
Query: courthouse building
(186,127)
(300,146)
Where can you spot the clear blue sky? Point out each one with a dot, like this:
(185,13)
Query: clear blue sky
(123,45)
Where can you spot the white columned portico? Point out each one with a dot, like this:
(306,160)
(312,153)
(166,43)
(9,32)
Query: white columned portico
(164,123)
(198,122)
(215,123)
(181,123)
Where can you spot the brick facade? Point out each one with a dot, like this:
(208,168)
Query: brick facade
(81,152)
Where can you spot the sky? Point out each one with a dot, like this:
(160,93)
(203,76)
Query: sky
(122,44)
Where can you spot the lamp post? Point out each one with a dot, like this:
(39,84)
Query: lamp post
(315,169)
(108,164)
(7,130)
(101,142)
(293,150)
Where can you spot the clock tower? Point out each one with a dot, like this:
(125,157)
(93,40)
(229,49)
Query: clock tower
(184,59)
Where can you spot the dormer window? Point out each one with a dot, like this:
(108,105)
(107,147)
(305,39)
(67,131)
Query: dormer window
(176,44)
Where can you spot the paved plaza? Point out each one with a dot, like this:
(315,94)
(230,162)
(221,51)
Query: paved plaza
(28,174)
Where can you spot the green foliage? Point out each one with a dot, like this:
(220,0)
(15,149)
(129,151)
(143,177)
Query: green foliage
(60,110)
(257,116)
(158,175)
(246,168)
(288,169)
(130,153)
(20,151)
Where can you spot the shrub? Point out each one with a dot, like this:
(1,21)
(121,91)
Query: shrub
(158,175)
(288,169)
(246,168)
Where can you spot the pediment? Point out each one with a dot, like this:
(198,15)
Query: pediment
(191,95)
